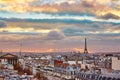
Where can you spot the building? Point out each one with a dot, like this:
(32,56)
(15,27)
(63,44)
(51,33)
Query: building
(9,59)
(66,70)
(116,63)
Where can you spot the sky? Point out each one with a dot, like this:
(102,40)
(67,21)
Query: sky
(59,25)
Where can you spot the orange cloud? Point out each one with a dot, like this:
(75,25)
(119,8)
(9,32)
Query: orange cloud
(23,30)
(42,9)
(15,5)
(78,49)
(98,7)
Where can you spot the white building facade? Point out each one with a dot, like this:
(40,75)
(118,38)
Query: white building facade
(116,63)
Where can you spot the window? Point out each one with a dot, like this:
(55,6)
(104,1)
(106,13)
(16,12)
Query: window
(72,73)
(118,58)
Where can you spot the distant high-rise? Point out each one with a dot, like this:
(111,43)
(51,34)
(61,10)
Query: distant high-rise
(85,49)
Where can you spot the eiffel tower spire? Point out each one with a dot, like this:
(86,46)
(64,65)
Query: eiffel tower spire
(85,49)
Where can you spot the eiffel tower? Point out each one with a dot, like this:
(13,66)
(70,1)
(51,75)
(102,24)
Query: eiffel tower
(20,49)
(85,49)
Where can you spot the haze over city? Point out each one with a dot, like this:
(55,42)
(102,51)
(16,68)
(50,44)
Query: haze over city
(59,25)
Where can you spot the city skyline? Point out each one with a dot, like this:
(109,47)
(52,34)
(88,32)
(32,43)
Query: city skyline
(59,25)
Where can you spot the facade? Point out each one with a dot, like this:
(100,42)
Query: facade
(9,58)
(116,63)
(66,70)
(1,78)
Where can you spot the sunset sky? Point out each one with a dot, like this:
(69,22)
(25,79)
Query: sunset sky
(59,25)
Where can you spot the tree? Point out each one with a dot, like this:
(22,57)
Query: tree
(18,67)
(27,70)
(40,76)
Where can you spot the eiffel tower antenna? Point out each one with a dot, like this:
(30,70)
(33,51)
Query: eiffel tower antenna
(85,49)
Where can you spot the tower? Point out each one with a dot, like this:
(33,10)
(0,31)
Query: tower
(20,49)
(1,52)
(85,49)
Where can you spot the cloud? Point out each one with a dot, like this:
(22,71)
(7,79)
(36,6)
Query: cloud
(95,7)
(24,31)
(94,29)
(73,31)
(73,28)
(15,5)
(18,37)
(54,35)
(87,4)
(109,16)
(63,17)
(2,24)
